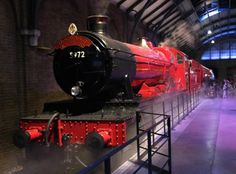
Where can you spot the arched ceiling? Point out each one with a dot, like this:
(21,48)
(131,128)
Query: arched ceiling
(184,23)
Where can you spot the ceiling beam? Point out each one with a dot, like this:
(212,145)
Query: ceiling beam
(218,40)
(168,30)
(130,8)
(219,30)
(175,21)
(119,3)
(189,14)
(170,21)
(138,16)
(135,4)
(213,36)
(154,10)
(217,21)
(172,7)
(164,18)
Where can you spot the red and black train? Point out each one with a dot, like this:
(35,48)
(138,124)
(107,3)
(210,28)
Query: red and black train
(106,79)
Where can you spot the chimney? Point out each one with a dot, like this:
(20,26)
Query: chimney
(98,24)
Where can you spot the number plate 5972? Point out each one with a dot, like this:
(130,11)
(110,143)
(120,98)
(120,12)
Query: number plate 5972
(77,54)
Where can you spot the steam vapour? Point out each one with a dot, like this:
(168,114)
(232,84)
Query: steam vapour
(181,33)
(98,6)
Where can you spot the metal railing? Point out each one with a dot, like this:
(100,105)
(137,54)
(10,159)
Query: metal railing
(106,159)
(155,131)
(157,138)
(177,106)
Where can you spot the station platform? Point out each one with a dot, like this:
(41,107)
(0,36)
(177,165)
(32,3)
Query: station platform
(205,142)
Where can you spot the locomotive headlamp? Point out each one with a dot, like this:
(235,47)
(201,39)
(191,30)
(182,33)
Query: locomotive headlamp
(72,29)
(76,90)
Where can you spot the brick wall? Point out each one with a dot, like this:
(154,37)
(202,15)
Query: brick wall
(26,75)
(9,73)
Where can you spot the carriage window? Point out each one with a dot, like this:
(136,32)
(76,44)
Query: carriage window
(180,59)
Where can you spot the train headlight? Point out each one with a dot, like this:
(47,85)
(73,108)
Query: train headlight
(76,90)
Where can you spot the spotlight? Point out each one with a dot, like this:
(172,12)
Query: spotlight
(212,41)
(209,32)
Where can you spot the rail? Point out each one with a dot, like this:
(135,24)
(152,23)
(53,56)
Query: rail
(106,159)
(158,135)
(156,140)
(178,106)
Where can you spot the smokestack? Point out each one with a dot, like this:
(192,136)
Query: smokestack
(97,23)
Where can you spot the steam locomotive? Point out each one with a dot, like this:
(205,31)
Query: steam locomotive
(106,79)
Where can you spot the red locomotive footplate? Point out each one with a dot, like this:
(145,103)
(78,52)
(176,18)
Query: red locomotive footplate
(61,131)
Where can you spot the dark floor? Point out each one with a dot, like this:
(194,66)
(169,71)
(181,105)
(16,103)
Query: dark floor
(205,142)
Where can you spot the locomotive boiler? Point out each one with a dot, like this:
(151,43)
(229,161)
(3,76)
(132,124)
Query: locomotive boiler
(88,66)
(106,79)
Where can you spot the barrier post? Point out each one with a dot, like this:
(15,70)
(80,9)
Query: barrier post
(187,105)
(169,146)
(107,166)
(149,152)
(183,105)
(172,113)
(178,107)
(163,106)
(138,117)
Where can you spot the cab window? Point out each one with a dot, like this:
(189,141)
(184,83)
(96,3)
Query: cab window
(180,59)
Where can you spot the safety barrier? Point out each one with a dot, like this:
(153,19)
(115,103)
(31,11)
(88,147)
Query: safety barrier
(157,143)
(145,135)
(178,106)
(153,134)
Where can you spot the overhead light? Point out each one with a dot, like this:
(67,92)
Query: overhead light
(212,41)
(209,32)
(209,14)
